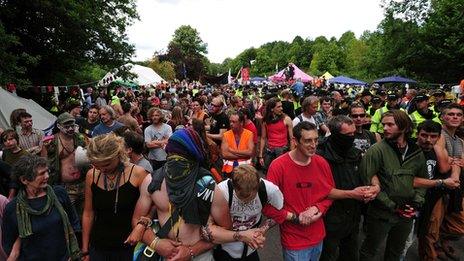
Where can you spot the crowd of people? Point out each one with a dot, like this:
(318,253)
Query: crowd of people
(184,171)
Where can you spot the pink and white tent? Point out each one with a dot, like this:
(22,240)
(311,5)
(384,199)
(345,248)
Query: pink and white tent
(299,74)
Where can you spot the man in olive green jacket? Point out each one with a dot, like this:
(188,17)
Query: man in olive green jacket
(395,161)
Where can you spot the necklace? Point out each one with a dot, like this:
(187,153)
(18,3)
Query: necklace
(110,183)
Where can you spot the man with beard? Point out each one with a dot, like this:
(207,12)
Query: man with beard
(108,122)
(156,137)
(396,161)
(392,104)
(86,126)
(219,121)
(342,219)
(421,112)
(61,152)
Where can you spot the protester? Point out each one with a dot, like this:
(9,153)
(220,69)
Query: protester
(61,155)
(185,197)
(108,121)
(219,120)
(237,146)
(246,194)
(156,137)
(86,125)
(111,192)
(41,216)
(305,180)
(30,139)
(127,120)
(363,139)
(343,217)
(275,132)
(134,145)
(396,160)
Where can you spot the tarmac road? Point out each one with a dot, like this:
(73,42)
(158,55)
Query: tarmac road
(273,250)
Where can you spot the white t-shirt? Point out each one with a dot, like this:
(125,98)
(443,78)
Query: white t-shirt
(246,215)
(296,120)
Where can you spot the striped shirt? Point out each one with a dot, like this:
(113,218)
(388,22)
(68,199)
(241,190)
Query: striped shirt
(32,142)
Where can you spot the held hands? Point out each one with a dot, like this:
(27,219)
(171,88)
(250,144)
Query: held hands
(136,235)
(365,193)
(310,215)
(407,211)
(451,183)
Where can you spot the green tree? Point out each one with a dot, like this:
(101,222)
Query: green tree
(58,39)
(186,50)
(164,69)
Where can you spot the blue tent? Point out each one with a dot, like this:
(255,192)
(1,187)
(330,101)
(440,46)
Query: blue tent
(346,80)
(258,79)
(394,79)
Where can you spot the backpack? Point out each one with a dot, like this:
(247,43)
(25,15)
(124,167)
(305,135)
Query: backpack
(262,193)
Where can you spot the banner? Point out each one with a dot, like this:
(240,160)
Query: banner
(245,74)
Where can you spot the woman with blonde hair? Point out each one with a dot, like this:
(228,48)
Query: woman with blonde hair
(111,193)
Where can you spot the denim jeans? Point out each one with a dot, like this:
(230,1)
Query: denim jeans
(309,254)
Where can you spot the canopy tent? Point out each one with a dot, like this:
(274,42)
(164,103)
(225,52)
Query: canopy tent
(298,74)
(42,118)
(394,79)
(143,75)
(346,80)
(327,76)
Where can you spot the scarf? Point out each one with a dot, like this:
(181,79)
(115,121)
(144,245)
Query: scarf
(341,143)
(181,176)
(24,212)
(187,143)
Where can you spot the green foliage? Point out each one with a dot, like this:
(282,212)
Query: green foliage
(56,40)
(164,69)
(186,51)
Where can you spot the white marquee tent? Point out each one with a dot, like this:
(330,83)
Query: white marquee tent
(143,75)
(9,102)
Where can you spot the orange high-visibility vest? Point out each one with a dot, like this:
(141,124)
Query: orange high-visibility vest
(242,145)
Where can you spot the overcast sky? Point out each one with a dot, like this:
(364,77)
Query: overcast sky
(231,26)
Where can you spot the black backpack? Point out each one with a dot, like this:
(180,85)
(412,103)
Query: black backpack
(262,194)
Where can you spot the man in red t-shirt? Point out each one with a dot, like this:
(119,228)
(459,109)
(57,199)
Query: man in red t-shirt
(305,180)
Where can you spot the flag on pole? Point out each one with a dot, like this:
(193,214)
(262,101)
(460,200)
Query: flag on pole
(277,67)
(229,77)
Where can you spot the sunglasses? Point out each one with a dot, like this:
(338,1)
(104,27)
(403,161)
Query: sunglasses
(358,115)
(215,105)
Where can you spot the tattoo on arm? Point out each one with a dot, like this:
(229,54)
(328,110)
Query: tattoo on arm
(206,234)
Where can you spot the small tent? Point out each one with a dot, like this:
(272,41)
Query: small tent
(346,80)
(327,76)
(143,75)
(394,79)
(42,118)
(298,74)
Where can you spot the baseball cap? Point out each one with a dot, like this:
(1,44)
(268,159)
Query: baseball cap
(376,99)
(421,97)
(64,118)
(439,93)
(366,93)
(392,96)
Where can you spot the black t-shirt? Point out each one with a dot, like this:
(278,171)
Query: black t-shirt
(218,122)
(364,140)
(85,127)
(432,164)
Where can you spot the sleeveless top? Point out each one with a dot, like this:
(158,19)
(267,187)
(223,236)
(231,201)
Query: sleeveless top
(277,135)
(110,229)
